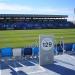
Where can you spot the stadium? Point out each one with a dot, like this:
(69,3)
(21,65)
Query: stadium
(25,21)
(20,53)
(25,28)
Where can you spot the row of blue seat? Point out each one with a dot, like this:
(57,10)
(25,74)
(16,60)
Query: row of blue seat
(9,52)
(36,25)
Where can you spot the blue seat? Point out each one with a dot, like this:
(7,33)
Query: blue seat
(68,47)
(73,47)
(35,51)
(27,51)
(6,52)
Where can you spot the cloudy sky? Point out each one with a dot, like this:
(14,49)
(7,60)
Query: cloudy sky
(50,7)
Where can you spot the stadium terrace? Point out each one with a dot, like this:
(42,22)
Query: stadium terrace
(30,21)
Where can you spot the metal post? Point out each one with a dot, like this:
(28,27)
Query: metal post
(62,44)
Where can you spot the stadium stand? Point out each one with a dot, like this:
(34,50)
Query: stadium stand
(24,21)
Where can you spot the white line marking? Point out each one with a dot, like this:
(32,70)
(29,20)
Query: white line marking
(15,69)
(32,62)
(21,64)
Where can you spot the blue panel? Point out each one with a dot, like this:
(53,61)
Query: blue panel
(27,51)
(68,47)
(6,52)
(35,51)
(73,47)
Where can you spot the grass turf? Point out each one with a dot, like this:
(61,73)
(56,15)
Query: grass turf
(22,38)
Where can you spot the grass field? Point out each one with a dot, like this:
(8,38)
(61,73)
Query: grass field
(22,38)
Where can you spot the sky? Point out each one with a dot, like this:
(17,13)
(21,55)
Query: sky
(49,7)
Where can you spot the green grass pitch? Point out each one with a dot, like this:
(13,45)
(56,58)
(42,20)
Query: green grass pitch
(22,38)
